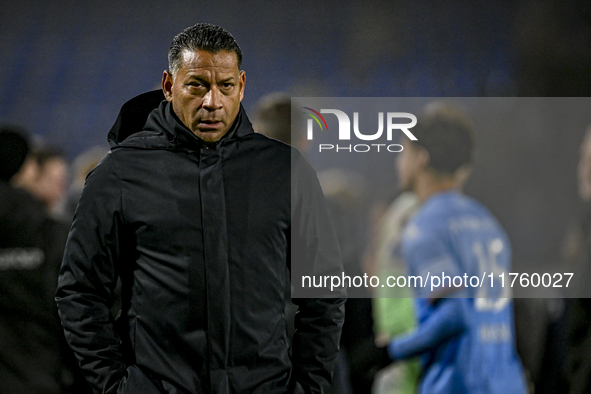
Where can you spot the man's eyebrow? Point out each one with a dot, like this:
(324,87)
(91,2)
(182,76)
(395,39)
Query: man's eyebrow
(228,79)
(198,78)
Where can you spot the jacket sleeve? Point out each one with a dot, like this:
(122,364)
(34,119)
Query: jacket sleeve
(88,276)
(314,251)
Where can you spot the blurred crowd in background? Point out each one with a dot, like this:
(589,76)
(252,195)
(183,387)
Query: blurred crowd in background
(67,68)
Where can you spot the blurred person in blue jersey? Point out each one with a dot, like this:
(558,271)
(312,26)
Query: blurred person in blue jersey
(465,335)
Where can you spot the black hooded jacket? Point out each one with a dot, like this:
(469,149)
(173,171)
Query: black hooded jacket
(32,350)
(200,237)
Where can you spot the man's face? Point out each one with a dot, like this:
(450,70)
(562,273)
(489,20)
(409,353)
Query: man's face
(206,92)
(51,182)
(407,165)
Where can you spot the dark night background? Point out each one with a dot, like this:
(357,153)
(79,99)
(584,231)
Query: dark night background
(68,66)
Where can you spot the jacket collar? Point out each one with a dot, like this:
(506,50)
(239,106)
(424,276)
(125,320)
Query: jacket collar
(151,113)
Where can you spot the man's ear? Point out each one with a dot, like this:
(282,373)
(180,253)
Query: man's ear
(423,158)
(461,175)
(242,82)
(167,82)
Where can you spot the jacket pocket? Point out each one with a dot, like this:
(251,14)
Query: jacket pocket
(136,382)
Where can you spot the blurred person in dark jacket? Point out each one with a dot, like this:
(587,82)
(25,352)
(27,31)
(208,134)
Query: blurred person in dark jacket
(45,176)
(197,215)
(33,358)
(344,192)
(272,117)
(81,166)
(577,370)
(345,200)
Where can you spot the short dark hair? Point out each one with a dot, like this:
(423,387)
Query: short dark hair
(43,153)
(14,147)
(203,37)
(447,135)
(273,116)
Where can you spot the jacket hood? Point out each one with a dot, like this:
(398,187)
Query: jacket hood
(148,121)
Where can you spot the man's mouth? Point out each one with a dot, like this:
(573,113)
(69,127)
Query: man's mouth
(210,124)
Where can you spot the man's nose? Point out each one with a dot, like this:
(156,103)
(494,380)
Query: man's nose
(212,99)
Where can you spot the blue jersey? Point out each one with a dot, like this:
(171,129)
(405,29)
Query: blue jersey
(466,332)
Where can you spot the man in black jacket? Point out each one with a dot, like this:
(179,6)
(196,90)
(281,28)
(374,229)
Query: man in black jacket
(33,355)
(198,216)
